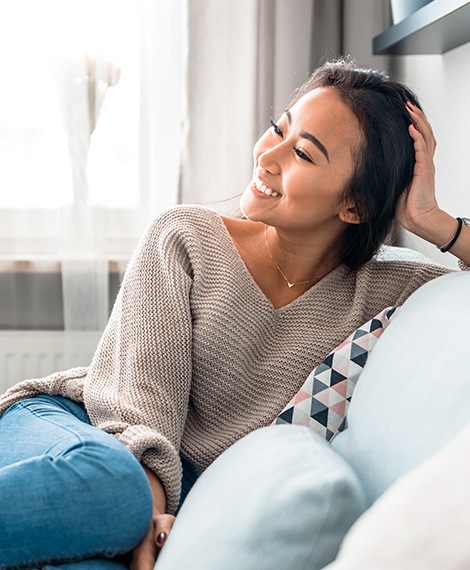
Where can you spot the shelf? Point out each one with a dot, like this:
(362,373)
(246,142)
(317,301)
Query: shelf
(435,28)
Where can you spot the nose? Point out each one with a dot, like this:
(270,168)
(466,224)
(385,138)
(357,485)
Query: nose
(270,159)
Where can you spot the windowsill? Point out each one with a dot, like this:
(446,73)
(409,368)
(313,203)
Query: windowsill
(37,234)
(45,264)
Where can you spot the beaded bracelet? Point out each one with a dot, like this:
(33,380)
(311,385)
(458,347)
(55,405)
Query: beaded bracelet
(453,239)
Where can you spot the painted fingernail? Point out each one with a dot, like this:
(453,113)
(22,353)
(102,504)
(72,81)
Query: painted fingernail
(161,539)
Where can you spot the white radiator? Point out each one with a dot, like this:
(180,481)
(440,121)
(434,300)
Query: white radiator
(33,354)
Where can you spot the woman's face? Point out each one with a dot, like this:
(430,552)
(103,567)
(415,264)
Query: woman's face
(302,165)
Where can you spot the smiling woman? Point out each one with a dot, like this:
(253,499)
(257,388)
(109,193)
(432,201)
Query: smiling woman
(298,184)
(220,320)
(324,177)
(292,162)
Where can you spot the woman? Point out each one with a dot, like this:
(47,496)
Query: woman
(219,321)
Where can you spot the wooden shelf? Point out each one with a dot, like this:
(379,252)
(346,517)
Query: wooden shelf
(435,28)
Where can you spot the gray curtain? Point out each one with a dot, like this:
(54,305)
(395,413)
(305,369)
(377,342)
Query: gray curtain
(245,58)
(346,27)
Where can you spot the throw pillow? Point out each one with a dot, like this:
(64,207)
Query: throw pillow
(412,398)
(322,402)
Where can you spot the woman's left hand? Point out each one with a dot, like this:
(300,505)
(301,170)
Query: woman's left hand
(417,208)
(146,553)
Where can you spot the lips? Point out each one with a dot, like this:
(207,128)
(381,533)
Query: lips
(265,189)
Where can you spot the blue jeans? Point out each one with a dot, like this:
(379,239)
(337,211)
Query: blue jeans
(71,496)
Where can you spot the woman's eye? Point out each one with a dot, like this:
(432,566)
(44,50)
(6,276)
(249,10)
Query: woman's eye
(276,128)
(302,155)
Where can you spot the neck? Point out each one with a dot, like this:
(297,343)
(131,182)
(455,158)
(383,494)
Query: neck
(299,263)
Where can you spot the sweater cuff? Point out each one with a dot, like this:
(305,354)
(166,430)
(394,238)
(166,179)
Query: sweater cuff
(157,453)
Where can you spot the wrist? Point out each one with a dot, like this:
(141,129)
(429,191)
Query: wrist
(437,227)
(448,245)
(158,494)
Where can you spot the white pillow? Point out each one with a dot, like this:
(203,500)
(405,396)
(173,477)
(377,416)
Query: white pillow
(280,498)
(422,522)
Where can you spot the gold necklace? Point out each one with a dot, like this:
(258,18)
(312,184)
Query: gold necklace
(289,284)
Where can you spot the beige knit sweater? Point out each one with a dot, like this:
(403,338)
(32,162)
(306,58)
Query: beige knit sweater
(195,356)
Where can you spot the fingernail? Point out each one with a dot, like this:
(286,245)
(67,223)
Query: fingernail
(161,539)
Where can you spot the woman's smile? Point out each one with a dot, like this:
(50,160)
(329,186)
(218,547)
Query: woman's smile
(262,187)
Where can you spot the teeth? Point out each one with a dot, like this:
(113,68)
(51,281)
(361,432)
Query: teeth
(265,189)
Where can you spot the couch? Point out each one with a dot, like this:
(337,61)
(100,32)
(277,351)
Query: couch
(390,491)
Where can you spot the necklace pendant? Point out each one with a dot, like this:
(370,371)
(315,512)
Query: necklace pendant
(289,284)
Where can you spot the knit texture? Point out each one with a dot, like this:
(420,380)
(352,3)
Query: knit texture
(195,356)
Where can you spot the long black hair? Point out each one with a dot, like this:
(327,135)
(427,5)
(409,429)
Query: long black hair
(386,157)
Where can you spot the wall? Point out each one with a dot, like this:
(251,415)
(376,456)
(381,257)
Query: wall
(442,82)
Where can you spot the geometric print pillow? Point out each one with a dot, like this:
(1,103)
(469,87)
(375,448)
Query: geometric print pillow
(322,402)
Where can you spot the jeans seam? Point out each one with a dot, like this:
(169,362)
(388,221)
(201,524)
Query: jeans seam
(65,428)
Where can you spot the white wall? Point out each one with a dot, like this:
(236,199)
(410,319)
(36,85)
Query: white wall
(443,84)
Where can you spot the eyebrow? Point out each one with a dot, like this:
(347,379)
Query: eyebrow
(309,137)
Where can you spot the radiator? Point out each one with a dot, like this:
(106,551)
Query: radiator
(33,354)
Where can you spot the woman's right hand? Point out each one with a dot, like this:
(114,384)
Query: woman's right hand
(146,553)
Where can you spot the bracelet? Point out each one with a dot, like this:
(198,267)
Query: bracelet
(452,241)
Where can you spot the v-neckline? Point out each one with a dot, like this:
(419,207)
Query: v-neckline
(249,277)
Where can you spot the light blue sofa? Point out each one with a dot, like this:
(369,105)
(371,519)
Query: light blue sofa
(282,498)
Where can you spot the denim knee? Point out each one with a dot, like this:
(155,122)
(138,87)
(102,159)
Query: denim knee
(90,496)
(118,489)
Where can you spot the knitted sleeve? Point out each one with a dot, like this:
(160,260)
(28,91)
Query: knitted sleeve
(138,383)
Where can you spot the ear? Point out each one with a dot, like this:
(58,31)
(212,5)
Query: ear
(350,215)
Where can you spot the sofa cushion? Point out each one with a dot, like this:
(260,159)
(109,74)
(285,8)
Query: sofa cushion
(278,498)
(426,512)
(412,397)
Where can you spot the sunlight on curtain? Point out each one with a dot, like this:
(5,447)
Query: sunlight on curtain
(42,43)
(82,82)
(81,143)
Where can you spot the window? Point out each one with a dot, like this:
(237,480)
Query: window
(71,120)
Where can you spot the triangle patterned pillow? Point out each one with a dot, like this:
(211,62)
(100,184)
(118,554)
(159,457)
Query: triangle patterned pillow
(322,402)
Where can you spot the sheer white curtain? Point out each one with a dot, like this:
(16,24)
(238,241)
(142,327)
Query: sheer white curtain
(93,231)
(90,137)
